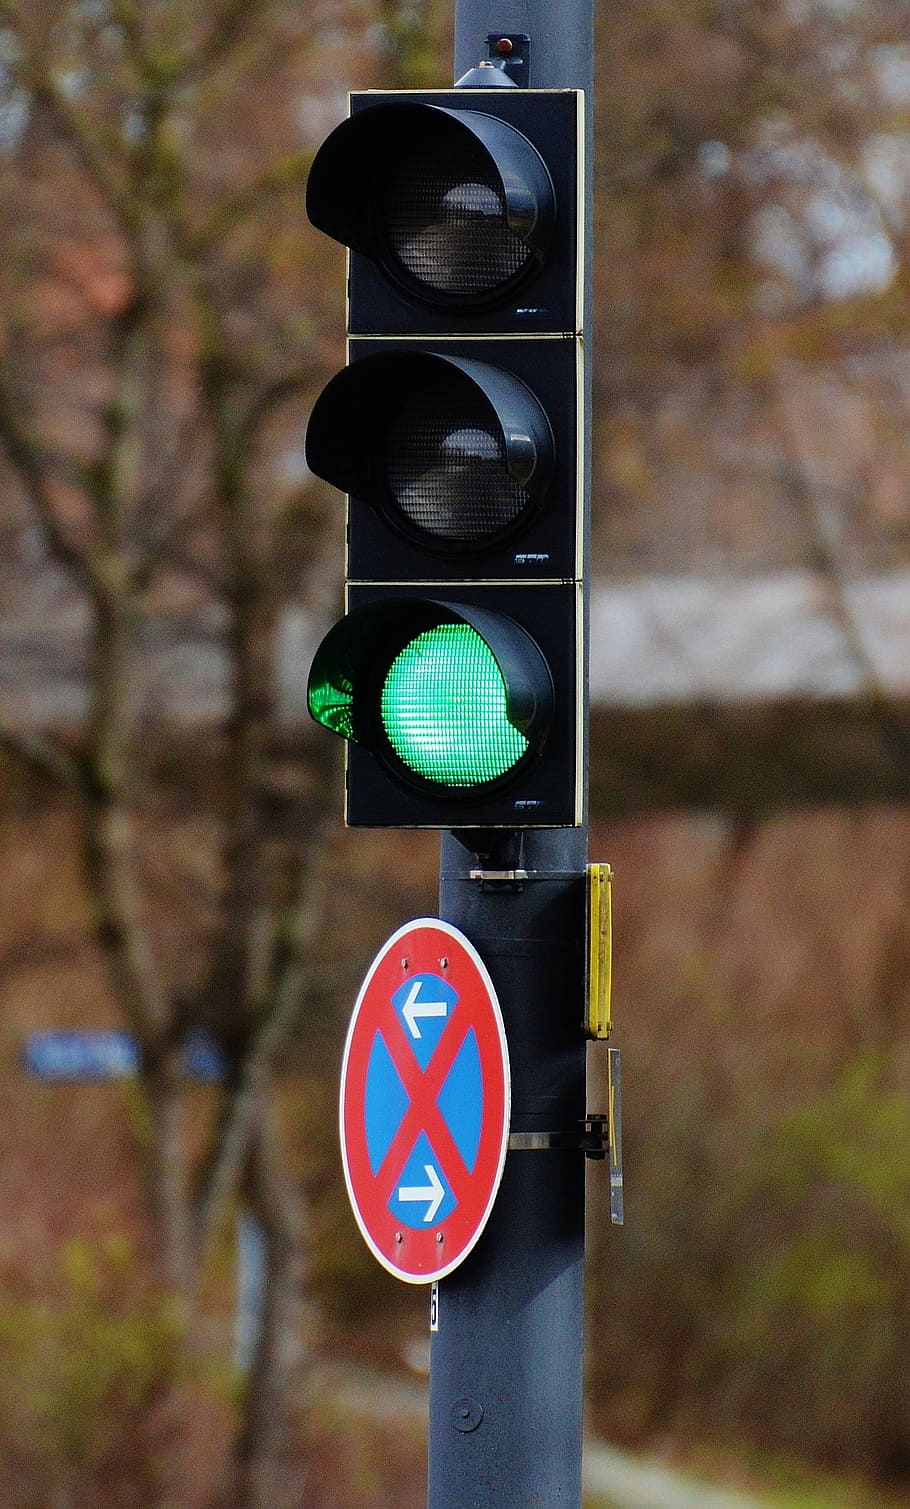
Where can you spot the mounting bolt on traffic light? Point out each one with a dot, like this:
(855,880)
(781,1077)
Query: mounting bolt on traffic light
(456,674)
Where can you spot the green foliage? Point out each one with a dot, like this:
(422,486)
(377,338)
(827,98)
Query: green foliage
(761,1283)
(856,1135)
(83,1373)
(818,1313)
(414,59)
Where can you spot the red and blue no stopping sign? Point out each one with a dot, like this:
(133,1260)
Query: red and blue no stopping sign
(424,1107)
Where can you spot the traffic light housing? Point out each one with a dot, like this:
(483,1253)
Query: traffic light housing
(456,675)
(455,204)
(459,459)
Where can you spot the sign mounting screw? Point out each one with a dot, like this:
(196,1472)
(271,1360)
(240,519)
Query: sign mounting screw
(467,1414)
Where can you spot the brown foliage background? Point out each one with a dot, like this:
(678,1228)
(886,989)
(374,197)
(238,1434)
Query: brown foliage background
(751,415)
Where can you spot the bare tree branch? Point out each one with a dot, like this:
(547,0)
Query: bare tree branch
(164,1160)
(250,602)
(32,466)
(46,755)
(232,26)
(251,199)
(184,564)
(804,496)
(274,1203)
(883,707)
(83,138)
(290,976)
(160,492)
(270,396)
(146,507)
(127,15)
(110,838)
(122,463)
(164,546)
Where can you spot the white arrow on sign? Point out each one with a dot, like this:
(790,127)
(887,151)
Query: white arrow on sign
(433,1193)
(414,1009)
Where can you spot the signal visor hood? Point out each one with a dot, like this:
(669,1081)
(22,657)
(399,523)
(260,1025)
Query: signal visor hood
(346,178)
(349,423)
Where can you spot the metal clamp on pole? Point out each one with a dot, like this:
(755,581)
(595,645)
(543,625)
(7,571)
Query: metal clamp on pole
(598,1137)
(498,858)
(592,1138)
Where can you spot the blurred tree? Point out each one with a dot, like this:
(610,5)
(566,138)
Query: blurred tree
(160,335)
(754,218)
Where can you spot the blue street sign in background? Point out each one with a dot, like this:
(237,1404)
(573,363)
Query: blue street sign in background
(67,1056)
(106,1054)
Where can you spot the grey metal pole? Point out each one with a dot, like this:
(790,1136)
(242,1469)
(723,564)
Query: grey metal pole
(562,38)
(506,1359)
(506,1354)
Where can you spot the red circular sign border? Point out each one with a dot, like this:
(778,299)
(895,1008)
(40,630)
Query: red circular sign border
(422,1256)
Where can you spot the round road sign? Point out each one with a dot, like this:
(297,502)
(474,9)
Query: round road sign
(424,1107)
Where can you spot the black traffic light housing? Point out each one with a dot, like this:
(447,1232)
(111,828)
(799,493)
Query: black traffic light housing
(462,204)
(530,633)
(454,465)
(456,675)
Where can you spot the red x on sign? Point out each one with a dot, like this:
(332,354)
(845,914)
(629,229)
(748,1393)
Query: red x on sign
(424,1101)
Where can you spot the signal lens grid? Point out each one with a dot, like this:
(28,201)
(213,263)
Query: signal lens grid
(447,466)
(444,711)
(445,220)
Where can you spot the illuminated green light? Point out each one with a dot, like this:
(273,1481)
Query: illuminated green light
(444,709)
(333,706)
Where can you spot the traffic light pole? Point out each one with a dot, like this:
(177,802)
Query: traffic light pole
(505,1424)
(506,1354)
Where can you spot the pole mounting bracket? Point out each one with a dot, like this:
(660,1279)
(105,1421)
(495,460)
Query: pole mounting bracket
(512,878)
(592,1137)
(598,1135)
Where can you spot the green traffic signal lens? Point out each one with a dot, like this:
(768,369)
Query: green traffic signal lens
(443,708)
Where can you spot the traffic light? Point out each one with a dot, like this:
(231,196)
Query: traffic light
(456,674)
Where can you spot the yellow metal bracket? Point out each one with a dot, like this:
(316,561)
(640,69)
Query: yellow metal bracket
(599,1017)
